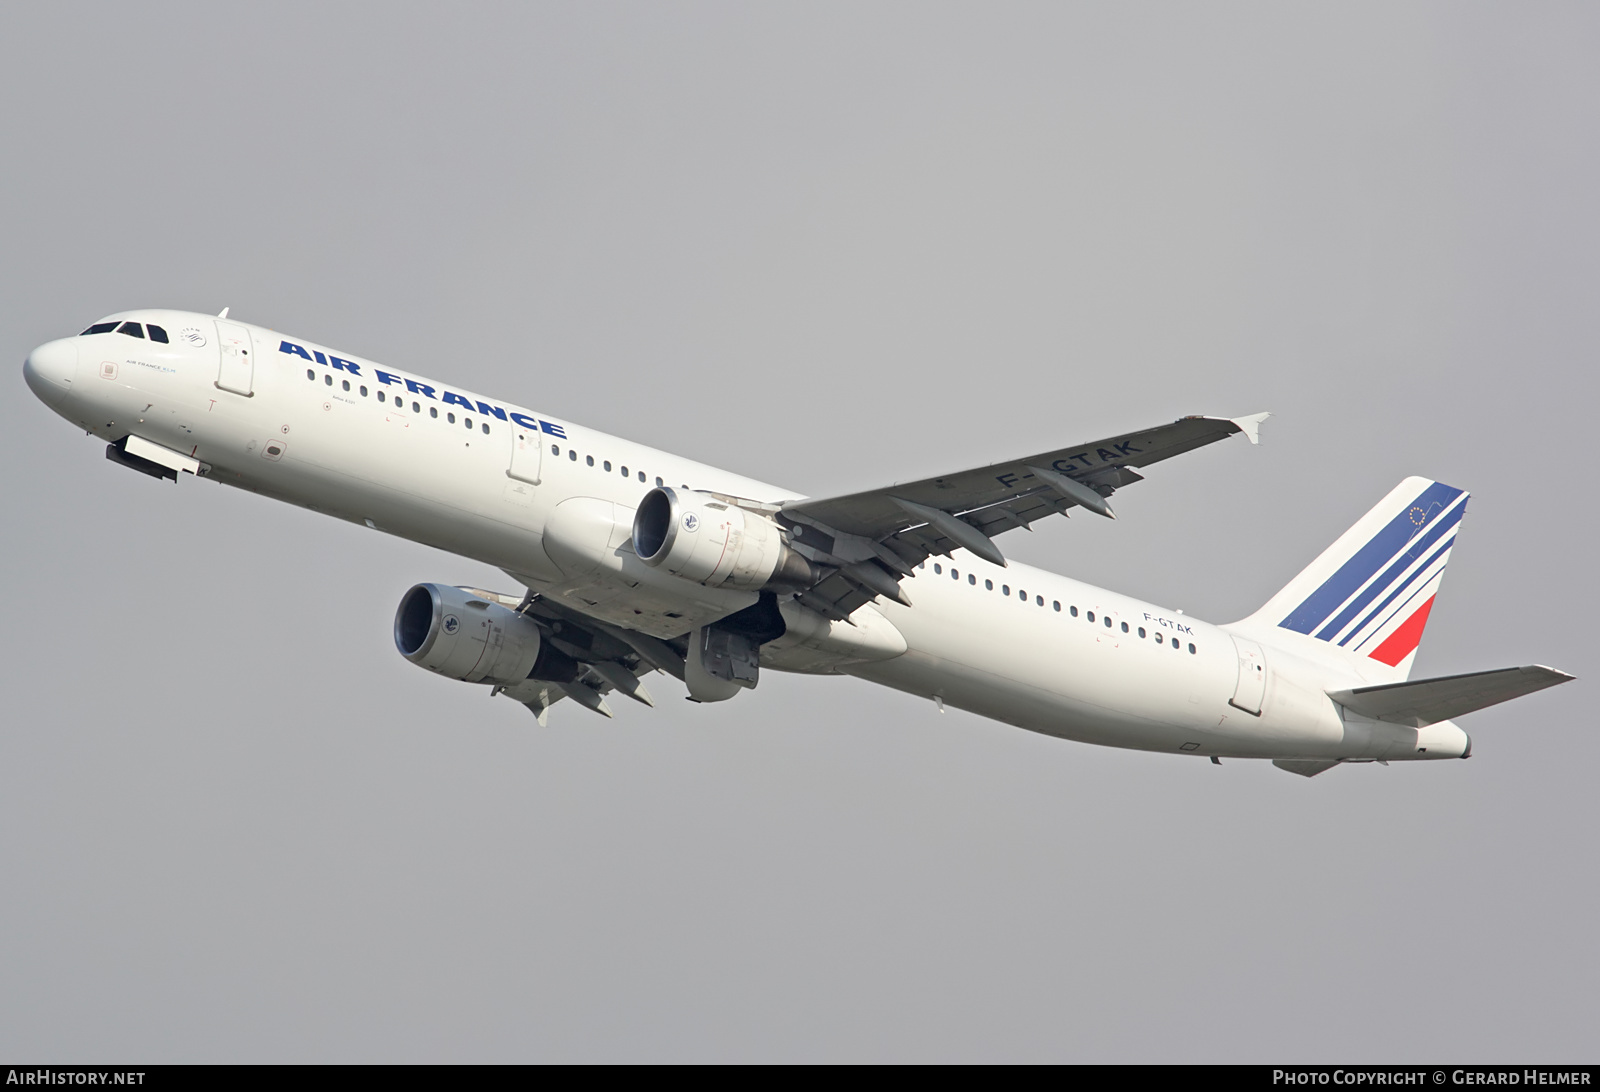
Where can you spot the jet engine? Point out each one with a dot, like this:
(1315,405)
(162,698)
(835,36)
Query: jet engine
(461,636)
(716,544)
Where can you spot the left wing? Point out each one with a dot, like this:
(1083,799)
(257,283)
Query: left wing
(874,538)
(594,658)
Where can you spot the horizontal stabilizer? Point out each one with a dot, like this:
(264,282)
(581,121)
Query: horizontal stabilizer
(1421,702)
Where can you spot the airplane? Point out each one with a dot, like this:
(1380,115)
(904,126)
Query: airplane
(632,560)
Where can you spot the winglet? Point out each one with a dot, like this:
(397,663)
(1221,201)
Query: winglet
(1251,426)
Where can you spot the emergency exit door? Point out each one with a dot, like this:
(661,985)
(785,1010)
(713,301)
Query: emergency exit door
(1252,684)
(526,460)
(236,368)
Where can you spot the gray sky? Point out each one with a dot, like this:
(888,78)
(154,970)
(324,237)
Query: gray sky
(829,246)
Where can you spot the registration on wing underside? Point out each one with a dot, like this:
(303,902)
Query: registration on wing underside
(895,529)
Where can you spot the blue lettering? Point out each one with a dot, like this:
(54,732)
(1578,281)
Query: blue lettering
(1007,480)
(291,347)
(554,430)
(1084,459)
(455,399)
(1128,447)
(385,377)
(320,358)
(345,365)
(484,407)
(419,388)
(524,420)
(1105,456)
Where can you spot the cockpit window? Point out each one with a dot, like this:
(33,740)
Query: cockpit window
(99,328)
(157,334)
(132,329)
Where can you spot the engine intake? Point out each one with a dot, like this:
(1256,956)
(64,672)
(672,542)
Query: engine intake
(460,636)
(716,544)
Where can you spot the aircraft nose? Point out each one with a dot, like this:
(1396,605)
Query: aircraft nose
(49,369)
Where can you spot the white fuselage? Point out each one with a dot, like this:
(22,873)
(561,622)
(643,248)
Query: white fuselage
(483,478)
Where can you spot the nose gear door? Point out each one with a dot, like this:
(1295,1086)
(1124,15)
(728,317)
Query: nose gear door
(236,368)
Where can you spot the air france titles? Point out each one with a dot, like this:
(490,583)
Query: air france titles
(422,390)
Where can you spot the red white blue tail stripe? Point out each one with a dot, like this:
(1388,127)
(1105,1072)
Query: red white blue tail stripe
(1386,571)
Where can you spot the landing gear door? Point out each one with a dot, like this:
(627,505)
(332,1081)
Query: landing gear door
(1252,685)
(236,371)
(526,460)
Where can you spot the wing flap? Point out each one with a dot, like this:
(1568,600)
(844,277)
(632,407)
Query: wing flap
(1421,702)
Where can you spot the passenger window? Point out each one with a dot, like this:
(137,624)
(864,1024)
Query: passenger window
(624,472)
(485,427)
(972,579)
(1108,623)
(1175,644)
(589,459)
(1039,599)
(450,417)
(555,449)
(157,334)
(1022,595)
(1158,638)
(1057,603)
(1191,650)
(467,421)
(571,454)
(990,585)
(607,465)
(100,328)
(1090,616)
(345,384)
(416,407)
(433,411)
(659,482)
(1005,590)
(381,398)
(328,380)
(132,329)
(311,375)
(938,570)
(1124,627)
(955,574)
(641,475)
(363,392)
(1141,631)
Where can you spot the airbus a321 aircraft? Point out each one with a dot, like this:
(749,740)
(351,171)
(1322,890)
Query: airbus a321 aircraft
(635,560)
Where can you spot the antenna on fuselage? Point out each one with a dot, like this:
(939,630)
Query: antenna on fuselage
(222,313)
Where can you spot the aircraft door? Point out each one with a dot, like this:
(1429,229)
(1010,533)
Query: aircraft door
(526,454)
(236,369)
(1252,685)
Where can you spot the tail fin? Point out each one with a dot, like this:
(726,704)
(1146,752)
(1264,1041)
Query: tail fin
(1369,593)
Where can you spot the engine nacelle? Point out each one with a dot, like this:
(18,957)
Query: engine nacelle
(460,636)
(719,545)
